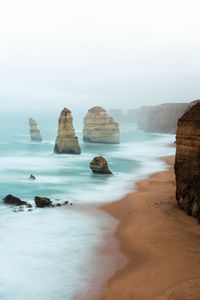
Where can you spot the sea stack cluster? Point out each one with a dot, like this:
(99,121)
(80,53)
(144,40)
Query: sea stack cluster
(187,163)
(99,127)
(66,141)
(34,132)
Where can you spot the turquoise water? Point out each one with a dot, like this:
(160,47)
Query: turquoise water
(51,253)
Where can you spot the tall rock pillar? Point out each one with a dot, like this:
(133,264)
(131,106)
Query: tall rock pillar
(66,141)
(34,132)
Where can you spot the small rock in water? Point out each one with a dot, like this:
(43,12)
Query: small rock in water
(21,208)
(29,205)
(32,177)
(66,202)
(58,204)
(42,202)
(99,165)
(30,209)
(12,200)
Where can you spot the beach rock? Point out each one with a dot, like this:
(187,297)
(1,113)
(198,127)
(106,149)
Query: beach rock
(99,127)
(12,200)
(161,118)
(66,141)
(100,166)
(32,177)
(34,132)
(42,202)
(187,162)
(29,205)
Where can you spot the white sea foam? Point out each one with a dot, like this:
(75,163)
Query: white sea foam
(46,253)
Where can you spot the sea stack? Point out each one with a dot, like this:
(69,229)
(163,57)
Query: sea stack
(99,127)
(66,142)
(99,166)
(34,132)
(187,163)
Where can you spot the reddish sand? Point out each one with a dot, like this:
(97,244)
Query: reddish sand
(161,242)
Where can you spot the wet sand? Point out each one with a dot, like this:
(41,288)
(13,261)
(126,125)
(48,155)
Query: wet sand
(161,242)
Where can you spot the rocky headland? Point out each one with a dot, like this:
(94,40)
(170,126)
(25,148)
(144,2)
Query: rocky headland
(187,163)
(161,118)
(66,141)
(99,127)
(34,131)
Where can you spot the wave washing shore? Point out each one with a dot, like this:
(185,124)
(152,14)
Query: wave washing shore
(161,242)
(57,253)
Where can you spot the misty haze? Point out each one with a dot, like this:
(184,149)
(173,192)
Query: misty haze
(99,150)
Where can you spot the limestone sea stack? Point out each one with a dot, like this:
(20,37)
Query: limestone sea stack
(99,165)
(66,141)
(187,163)
(34,131)
(99,127)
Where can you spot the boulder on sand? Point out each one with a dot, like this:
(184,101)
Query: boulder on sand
(99,165)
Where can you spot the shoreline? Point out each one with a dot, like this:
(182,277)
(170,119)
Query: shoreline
(161,242)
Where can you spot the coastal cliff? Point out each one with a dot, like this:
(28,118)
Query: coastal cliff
(66,141)
(161,118)
(34,131)
(99,127)
(187,163)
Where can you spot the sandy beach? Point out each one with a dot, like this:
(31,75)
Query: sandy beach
(161,242)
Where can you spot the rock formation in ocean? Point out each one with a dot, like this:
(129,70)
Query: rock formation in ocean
(42,202)
(34,132)
(161,118)
(32,177)
(99,127)
(187,163)
(99,165)
(12,200)
(66,141)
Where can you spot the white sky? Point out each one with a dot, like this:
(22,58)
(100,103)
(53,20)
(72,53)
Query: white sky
(81,53)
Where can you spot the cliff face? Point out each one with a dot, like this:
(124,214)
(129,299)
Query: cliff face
(99,127)
(161,118)
(187,163)
(34,132)
(66,141)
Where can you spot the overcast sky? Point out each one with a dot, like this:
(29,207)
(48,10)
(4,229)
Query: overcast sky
(81,53)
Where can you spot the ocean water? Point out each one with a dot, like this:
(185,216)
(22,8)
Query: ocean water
(53,253)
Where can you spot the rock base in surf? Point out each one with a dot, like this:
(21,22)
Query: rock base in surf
(42,202)
(100,166)
(12,200)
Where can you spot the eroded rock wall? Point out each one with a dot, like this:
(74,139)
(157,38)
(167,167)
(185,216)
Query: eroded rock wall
(187,162)
(161,118)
